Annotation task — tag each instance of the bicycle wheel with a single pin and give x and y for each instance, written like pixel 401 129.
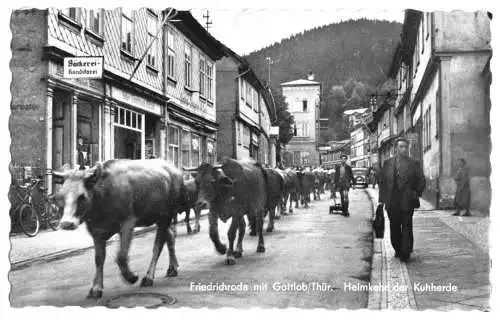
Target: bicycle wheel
pixel 29 221
pixel 53 216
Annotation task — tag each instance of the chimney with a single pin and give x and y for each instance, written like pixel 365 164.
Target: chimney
pixel 310 76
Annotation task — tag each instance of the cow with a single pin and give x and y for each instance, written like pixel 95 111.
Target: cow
pixel 232 190
pixel 306 180
pixel 292 189
pixel 275 188
pixel 188 202
pixel 116 196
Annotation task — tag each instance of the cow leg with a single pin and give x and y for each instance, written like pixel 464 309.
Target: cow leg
pixel 214 233
pixel 296 197
pixel 260 226
pixel 253 226
pixel 197 214
pixel 173 264
pixel 161 233
pixel 100 255
pixel 231 235
pixel 122 258
pixel 270 223
pixel 283 204
pixel 174 223
pixel 188 225
pixel 306 197
pixel 238 253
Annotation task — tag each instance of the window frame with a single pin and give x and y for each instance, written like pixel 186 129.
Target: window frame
pixel 188 65
pixel 91 19
pixel 210 80
pixel 170 54
pixel 130 20
pixel 203 76
pixel 152 55
pixel 305 107
pixel 173 146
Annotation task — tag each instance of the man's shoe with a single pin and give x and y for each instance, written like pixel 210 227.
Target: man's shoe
pixel 456 213
pixel 467 214
pixel 346 214
pixel 397 254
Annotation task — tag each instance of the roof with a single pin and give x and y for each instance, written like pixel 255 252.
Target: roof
pixel 300 82
pixel 189 26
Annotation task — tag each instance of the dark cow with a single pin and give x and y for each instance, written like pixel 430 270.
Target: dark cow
pixel 188 202
pixel 306 179
pixel 232 190
pixel 116 196
pixel 275 188
pixel 292 189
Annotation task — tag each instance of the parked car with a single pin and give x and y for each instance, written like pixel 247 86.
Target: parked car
pixel 361 177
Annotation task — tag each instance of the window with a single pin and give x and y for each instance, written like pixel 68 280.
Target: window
pixel 246 136
pixel 152 30
pixel 195 150
pixel 255 96
pixel 423 32
pixel 304 105
pixel 427 129
pixel 171 55
pixel 210 81
pixel 173 145
pixel 210 152
pixel 242 89
pixel 127 26
pixel 203 77
pixel 71 13
pixel 188 65
pixel 94 21
pixel 185 147
pixel 296 158
pixel 429 24
pixel 249 95
pixel 238 133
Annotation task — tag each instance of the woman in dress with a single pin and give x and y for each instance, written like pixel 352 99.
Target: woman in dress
pixel 462 194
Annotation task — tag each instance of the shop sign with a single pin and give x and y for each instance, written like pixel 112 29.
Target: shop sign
pixel 83 67
pixel 136 101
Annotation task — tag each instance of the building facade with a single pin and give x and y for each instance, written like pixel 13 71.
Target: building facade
pixel 443 98
pixel 127 112
pixel 360 151
pixel 190 64
pixel 303 99
pixel 244 112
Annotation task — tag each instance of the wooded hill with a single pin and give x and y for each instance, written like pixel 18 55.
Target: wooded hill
pixel 350 59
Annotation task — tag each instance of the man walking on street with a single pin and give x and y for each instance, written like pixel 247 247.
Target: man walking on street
pixel 343 179
pixel 401 183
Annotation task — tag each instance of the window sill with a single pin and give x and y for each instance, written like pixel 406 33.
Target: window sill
pixel 127 56
pixel 171 81
pixel 248 105
pixel 210 103
pixel 69 23
pixel 152 69
pixel 202 98
pixel 94 37
pixel 190 90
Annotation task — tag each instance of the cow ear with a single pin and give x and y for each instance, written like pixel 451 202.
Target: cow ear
pixel 92 175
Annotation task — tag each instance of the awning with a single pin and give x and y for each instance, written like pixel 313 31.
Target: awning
pixel 208 126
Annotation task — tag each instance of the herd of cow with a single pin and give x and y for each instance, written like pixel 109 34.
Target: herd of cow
pixel 118 195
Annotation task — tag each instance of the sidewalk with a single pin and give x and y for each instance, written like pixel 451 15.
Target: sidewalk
pixel 449 268
pixel 51 245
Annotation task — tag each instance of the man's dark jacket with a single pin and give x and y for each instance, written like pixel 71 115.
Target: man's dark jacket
pixel 348 173
pixel 411 184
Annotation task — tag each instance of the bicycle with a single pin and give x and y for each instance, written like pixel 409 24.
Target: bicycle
pixel 28 217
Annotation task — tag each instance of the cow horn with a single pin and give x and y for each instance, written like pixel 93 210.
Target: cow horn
pixel 190 169
pixel 217 166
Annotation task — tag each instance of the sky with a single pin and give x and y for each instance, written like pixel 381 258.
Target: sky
pixel 247 30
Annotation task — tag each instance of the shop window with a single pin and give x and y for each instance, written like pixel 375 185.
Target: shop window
pixel 185 147
pixel 195 150
pixel 210 152
pixel 173 145
pixel 87 134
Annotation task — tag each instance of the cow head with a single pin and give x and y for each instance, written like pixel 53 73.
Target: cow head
pixel 76 194
pixel 211 182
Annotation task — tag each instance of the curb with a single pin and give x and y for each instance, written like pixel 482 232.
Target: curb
pixel 74 251
pixel 377 276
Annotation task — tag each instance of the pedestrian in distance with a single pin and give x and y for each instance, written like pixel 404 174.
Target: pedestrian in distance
pixel 462 194
pixel 401 184
pixel 343 182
